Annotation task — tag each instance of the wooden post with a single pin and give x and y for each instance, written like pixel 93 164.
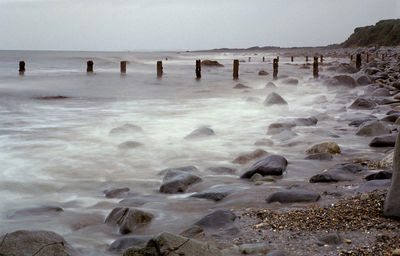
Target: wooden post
pixel 159 68
pixel 198 69
pixel 315 68
pixel 367 58
pixel 351 57
pixel 383 57
pixel 322 59
pixel 277 58
pixel 306 58
pixel 358 61
pixel 21 67
pixel 263 59
pixel 123 67
pixel 235 69
pixel 249 59
pixel 90 65
pixel 275 65
pixel 291 59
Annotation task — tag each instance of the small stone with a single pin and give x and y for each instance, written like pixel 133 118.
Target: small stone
pixel 347 241
pixel 364 196
pixel 396 252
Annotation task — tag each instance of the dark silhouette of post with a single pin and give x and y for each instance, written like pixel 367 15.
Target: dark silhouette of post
pixel 263 59
pixel 21 67
pixel 306 58
pixel 367 58
pixel 351 57
pixel 315 67
pixel 159 68
pixel 275 66
pixel 277 58
pixel 90 65
pixel 198 69
pixel 123 67
pixel 383 57
pixel 392 201
pixel 358 61
pixel 235 69
pixel 322 59
pixel 291 59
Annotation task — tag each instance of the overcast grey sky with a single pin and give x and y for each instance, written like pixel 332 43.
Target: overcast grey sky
pixel 183 24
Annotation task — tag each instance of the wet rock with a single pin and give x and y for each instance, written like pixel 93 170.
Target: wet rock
pixel 270 85
pixel 273 165
pixel 276 128
pixel 260 248
pixel 263 73
pixel 176 181
pixel 309 121
pixel 374 185
pixel 258 177
pixel 174 245
pixel 391 118
pixel 383 141
pixel 364 80
pixel 381 92
pixel 123 243
pixel 217 219
pixel 243 159
pixel 387 161
pixel 211 63
pixel 221 170
pixel 216 193
pixel 344 80
pixel 116 192
pixel 363 103
pixel 291 81
pixel 201 133
pixel 264 142
pixel 126 129
pixel 24 242
pixel 241 86
pixel 371 71
pixel 320 156
pixel 346 68
pixel 293 196
pixel 45 210
pixel 372 128
pixel 381 175
pixel 360 120
pixel 392 201
pixel 188 168
pixel 277 253
pixel 340 172
pixel 274 99
pixel 128 219
pixel 129 145
pixel 193 232
pixel 331 239
pixel 324 147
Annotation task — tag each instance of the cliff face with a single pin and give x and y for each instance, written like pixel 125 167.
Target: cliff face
pixel 384 33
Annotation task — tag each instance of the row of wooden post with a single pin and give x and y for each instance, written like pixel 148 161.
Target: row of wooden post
pixel 358 59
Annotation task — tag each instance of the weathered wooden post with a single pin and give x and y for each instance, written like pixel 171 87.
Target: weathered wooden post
pixel 123 67
pixel 315 67
pixel 275 66
pixel 291 59
pixel 351 57
pixel 198 69
pixel 383 57
pixel 367 58
pixel 90 65
pixel 358 61
pixel 235 69
pixel 392 201
pixel 21 67
pixel 306 58
pixel 263 59
pixel 159 68
pixel 322 59
pixel 277 58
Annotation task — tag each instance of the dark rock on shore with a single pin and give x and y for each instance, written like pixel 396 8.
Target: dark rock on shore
pixel 188 168
pixel 374 185
pixel 364 80
pixel 116 192
pixel 291 81
pixel 241 86
pixel 384 141
pixel 128 219
pixel 46 210
pixel 274 99
pixel 217 219
pixel 176 181
pixel 216 193
pixel 260 248
pixel 344 80
pixel 221 170
pixel 276 128
pixel 381 92
pixel 346 68
pixel 271 165
pixel 330 239
pixel 363 103
pixel 381 175
pixel 391 117
pixel 293 196
pixel 24 242
pixel 201 133
pixel 324 147
pixel 372 128
pixel 360 120
pixel 242 159
pixel 340 172
pixel 211 63
pixel 320 156
pixel 193 232
pixel 309 121
pixel 263 73
pixel 123 243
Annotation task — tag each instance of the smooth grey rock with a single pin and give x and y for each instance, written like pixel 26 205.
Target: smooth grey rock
pixel 126 129
pixel 193 232
pixel 276 128
pixel 331 239
pixel 216 193
pixel 221 170
pixel 45 210
pixel 345 81
pixel 274 99
pixel 244 158
pixel 324 147
pixel 363 103
pixel 123 243
pixel 383 141
pixel 129 145
pixel 217 219
pixel 178 181
pixel 116 192
pixel 340 172
pixel 263 73
pixel 201 132
pixel 381 92
pixel 264 142
pixel 392 201
pixel 320 156
pixel 360 120
pixel 189 168
pixel 271 165
pixel 381 175
pixel 128 219
pixel 270 85
pixel 373 128
pixel 293 196
pixel 241 86
pixel 364 80
pixel 260 248
pixel 374 185
pixel 346 68
pixel 309 121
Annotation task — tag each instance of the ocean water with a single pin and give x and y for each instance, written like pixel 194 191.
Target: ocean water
pixel 64 152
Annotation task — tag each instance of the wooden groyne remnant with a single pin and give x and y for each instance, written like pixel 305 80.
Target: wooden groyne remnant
pixel 159 69
pixel 123 67
pixel 198 69
pixel 275 66
pixel 367 58
pixel 89 66
pixel 358 61
pixel 306 58
pixel 235 69
pixel 21 67
pixel 291 58
pixel 315 67
pixel 322 59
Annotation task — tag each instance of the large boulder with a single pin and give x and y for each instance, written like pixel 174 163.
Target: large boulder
pixel 123 243
pixel 381 175
pixel 340 172
pixel 373 128
pixel 344 80
pixel 346 68
pixel 176 181
pixel 128 219
pixel 245 158
pixel 324 147
pixel 201 133
pixel 274 99
pixel 216 193
pixel 363 103
pixel 293 196
pixel 364 80
pixel 383 141
pixel 270 165
pixel 217 219
pixel 309 121
pixel 392 202
pixel 43 243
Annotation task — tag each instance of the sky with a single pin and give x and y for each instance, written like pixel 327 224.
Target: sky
pixel 151 25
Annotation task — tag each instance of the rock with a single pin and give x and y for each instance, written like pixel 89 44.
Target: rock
pixel 344 80
pixel 374 185
pixel 125 129
pixel 221 170
pixel 291 81
pixel 200 133
pixel 391 118
pixel 271 165
pixel 340 172
pixel 123 243
pixel 363 103
pixel 24 242
pixel 372 128
pixel 216 193
pixel 230 231
pixel 383 141
pixel 293 196
pixel 387 161
pixel 46 210
pixel 211 63
pixel 381 92
pixel 276 128
pixel 364 80
pixel 174 245
pixel 360 120
pixel 242 159
pixel 277 253
pixel 193 232
pixel 241 86
pixel 381 175
pixel 128 219
pixel 116 192
pixel 274 99
pixel 331 239
pixel 260 248
pixel 258 177
pixel 270 85
pixel 346 68
pixel 396 252
pixel 129 145
pixel 217 219
pixel 324 147
pixel 264 142
pixel 392 201
pixel 188 168
pixel 309 121
pixel 263 73
pixel 320 156
pixel 371 71
pixel 176 181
